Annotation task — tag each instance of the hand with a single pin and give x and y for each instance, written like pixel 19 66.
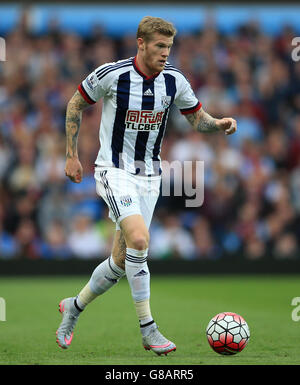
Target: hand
pixel 228 125
pixel 73 169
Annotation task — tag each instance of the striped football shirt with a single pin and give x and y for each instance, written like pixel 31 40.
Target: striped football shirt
pixel 135 112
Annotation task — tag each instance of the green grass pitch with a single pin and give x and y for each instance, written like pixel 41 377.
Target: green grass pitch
pixel 107 332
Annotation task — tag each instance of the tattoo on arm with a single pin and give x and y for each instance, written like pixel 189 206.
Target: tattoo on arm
pixel 202 121
pixel 73 120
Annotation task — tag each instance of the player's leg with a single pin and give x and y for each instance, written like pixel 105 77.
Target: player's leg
pixel 137 239
pixel 136 236
pixel 109 185
pixel 110 271
pixel 105 275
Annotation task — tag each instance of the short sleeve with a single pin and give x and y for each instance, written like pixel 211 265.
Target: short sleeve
pixel 186 99
pixel 92 89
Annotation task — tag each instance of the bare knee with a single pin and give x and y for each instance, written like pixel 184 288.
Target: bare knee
pixel 138 241
pixel 135 232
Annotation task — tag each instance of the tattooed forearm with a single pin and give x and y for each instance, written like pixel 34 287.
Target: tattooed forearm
pixel 207 123
pixel 73 121
pixel 202 121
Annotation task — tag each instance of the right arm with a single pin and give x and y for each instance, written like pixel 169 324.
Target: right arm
pixel 203 122
pixel 76 105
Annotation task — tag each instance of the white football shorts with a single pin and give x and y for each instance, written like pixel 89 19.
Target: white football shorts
pixel 127 194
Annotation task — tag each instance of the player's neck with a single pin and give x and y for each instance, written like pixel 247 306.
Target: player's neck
pixel 143 68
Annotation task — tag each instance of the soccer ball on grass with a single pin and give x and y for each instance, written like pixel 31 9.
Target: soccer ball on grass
pixel 227 333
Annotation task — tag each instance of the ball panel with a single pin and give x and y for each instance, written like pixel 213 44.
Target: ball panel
pixel 237 338
pixel 210 340
pixel 229 338
pixel 219 328
pixel 215 336
pixel 223 324
pixel 210 329
pixel 233 346
pixel 242 344
pixel 232 325
pixel 222 338
pixel 235 330
pixel 228 318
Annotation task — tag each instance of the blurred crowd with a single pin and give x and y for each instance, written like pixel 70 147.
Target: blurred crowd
pixel 251 205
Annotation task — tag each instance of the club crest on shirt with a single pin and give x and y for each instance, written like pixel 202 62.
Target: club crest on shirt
pixel 165 101
pixel 126 200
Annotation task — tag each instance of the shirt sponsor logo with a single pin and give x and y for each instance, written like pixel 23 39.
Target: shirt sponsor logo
pixel 144 120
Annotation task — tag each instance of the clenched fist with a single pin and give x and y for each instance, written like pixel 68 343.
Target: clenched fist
pixel 73 169
pixel 228 125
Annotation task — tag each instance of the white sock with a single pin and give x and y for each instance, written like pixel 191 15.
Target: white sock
pixel 138 274
pixel 138 277
pixel 103 278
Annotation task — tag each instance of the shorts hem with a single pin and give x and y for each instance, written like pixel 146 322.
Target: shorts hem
pixel 125 215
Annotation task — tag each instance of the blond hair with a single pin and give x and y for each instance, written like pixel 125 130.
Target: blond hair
pixel 149 25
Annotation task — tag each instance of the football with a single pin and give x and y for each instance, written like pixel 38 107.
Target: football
pixel 227 333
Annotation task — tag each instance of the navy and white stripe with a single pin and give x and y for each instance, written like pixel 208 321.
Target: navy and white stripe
pixel 107 69
pixel 170 67
pixel 117 140
pixel 170 90
pixel 134 259
pixel 114 271
pixel 143 136
pixel 128 144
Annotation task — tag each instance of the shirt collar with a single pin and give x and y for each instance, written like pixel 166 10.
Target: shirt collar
pixel 135 65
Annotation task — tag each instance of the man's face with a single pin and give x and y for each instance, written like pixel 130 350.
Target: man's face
pixel 155 52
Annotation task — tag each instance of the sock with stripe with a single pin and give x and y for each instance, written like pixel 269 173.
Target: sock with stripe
pixel 138 277
pixel 103 278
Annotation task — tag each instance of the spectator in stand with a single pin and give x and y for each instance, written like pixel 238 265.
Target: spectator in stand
pixel 84 240
pixel 56 245
pixel 170 240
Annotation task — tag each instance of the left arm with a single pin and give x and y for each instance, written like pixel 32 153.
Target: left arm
pixel 203 122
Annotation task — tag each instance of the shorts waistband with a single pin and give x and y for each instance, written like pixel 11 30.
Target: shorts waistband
pixel 101 168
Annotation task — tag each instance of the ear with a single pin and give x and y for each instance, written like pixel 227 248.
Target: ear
pixel 141 43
